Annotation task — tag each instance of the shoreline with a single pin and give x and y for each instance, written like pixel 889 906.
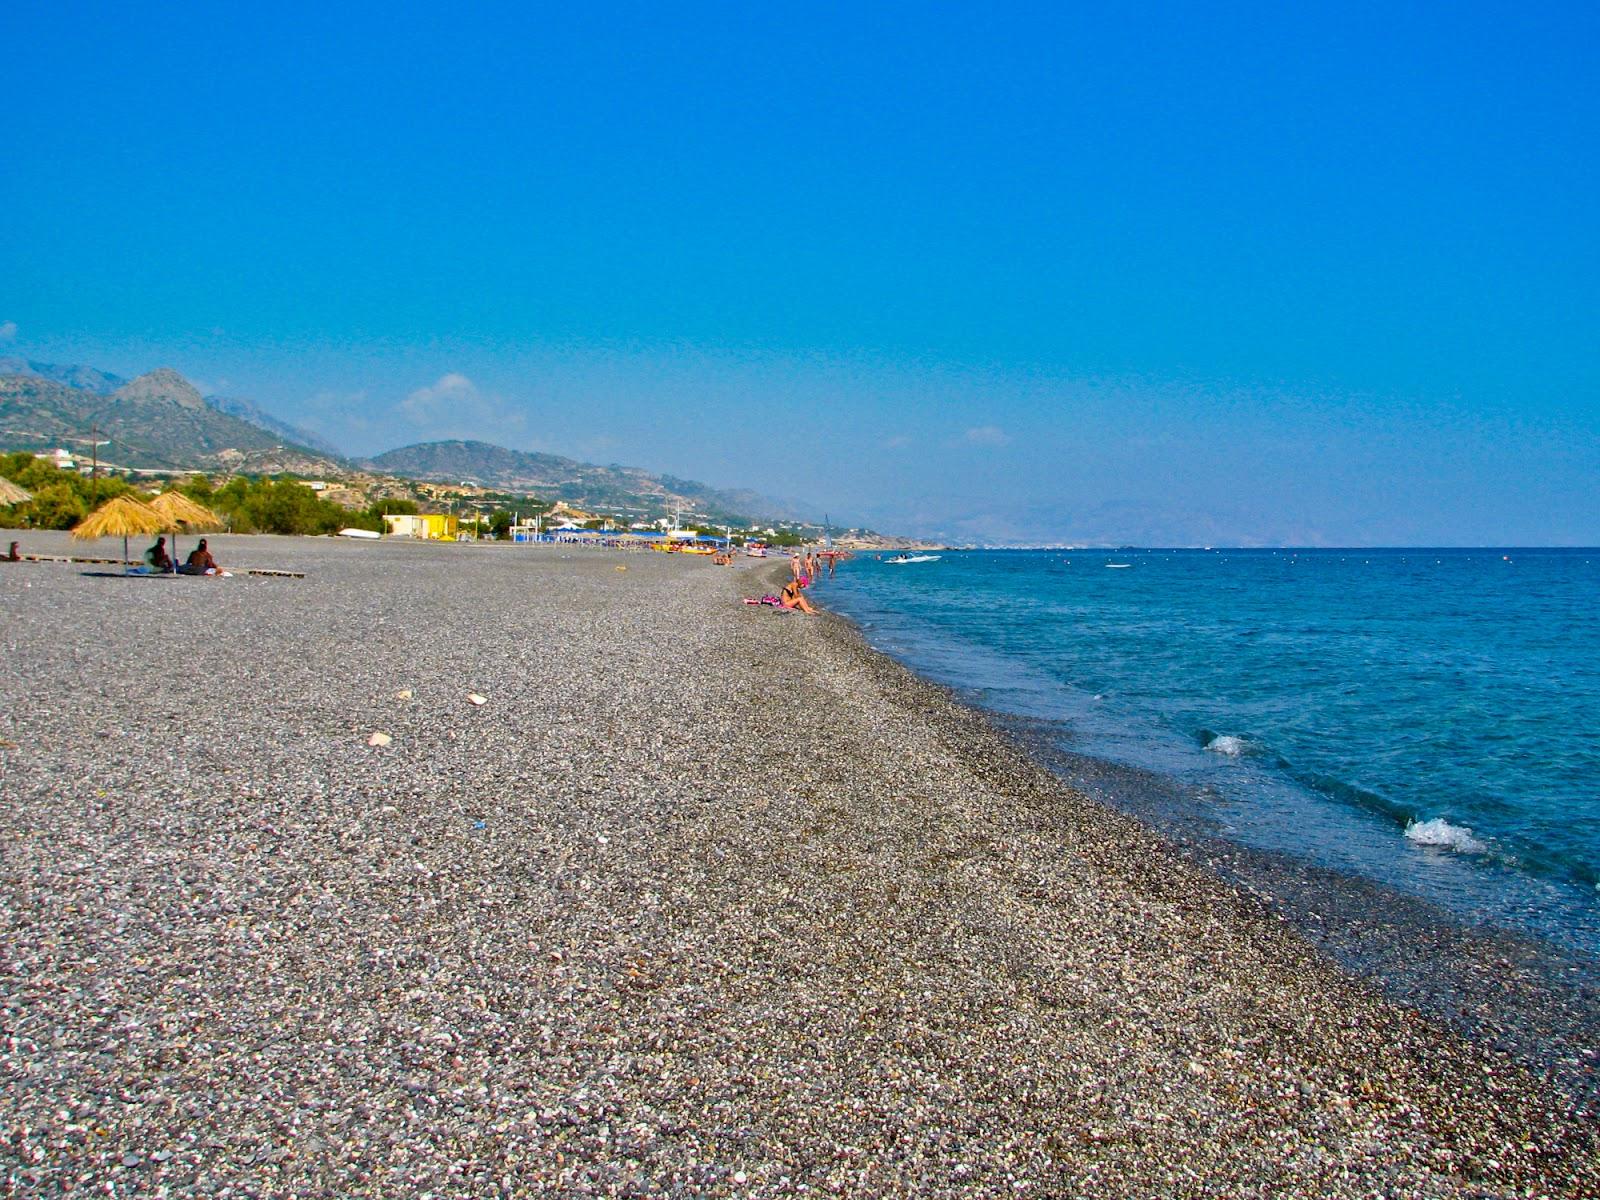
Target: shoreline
pixel 1535 999
pixel 703 897
pixel 1534 996
pixel 1531 998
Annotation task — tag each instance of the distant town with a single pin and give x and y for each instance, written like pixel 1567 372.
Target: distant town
pixel 394 506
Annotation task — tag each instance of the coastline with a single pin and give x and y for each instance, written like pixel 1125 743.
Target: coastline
pixel 704 897
pixel 1538 1001
pixel 1535 996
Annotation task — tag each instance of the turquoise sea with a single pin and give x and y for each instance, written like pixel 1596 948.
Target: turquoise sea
pixel 1423 723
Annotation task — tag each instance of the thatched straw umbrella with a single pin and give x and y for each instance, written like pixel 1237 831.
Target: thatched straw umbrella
pixel 10 493
pixel 184 515
pixel 123 516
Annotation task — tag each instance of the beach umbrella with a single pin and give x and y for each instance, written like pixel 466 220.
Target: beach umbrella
pixel 123 517
pixel 10 493
pixel 184 515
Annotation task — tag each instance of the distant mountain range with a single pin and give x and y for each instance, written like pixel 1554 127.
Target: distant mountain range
pixel 101 383
pixel 160 421
pixel 249 413
pixel 583 484
pixel 155 422
pixel 87 378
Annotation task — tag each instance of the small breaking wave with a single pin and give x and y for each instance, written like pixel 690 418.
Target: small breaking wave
pixel 1439 832
pixel 1228 745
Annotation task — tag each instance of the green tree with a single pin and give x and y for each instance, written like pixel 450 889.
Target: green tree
pixel 283 506
pixel 56 505
pixel 61 498
pixel 198 488
pixel 20 468
pixel 393 506
pixel 275 506
pixel 229 502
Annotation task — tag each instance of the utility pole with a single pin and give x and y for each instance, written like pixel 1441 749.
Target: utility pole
pixel 95 442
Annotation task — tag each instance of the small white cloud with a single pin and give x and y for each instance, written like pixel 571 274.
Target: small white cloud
pixel 453 407
pixel 8 331
pixel 428 405
pixel 898 442
pixel 986 435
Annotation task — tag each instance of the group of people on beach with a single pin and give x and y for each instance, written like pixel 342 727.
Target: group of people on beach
pixel 199 562
pixel 805 568
pixel 811 563
pixel 156 560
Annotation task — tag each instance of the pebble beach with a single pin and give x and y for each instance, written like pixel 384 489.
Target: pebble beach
pixel 641 892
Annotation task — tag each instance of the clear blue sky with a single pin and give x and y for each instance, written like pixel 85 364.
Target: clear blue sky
pixel 1176 274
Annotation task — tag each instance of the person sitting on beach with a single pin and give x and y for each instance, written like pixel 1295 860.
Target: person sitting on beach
pixel 200 562
pixel 156 558
pixel 14 554
pixel 790 597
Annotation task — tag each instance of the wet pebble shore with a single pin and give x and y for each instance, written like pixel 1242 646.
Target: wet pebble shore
pixel 701 900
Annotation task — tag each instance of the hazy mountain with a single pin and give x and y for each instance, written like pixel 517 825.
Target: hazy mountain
pixel 161 386
pixel 247 411
pixel 157 421
pixel 87 378
pixel 583 484
pixel 160 421
pixel 90 379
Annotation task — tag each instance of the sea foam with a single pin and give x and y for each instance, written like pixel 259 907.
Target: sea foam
pixel 1228 744
pixel 1439 832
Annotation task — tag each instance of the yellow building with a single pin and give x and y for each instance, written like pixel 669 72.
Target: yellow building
pixel 432 527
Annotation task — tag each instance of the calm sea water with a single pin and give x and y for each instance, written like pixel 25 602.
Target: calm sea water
pixel 1425 719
